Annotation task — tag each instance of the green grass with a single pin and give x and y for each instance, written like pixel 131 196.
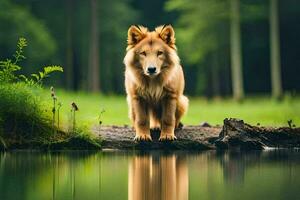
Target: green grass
pixel 26 122
pixel 22 112
pixel 253 110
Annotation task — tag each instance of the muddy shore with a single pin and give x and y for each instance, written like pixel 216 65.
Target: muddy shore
pixel 234 134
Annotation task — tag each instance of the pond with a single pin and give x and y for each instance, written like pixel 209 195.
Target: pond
pixel 150 175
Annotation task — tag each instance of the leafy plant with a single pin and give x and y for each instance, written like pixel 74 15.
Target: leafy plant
pixel 36 79
pixel 23 112
pixel 9 68
pixel 25 117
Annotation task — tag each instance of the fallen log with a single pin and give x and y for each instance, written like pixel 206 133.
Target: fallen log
pixel 235 134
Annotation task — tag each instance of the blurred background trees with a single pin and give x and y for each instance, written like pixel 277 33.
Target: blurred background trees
pixel 275 50
pixel 227 47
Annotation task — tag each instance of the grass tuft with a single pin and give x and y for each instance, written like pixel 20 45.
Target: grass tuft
pixel 26 121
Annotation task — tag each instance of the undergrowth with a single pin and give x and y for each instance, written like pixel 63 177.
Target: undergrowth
pixel 27 119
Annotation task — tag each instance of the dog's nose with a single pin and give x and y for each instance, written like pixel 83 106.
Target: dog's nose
pixel 151 70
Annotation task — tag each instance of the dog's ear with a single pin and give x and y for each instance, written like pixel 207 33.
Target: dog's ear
pixel 135 34
pixel 167 34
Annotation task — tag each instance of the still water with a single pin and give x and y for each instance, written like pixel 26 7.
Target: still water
pixel 154 175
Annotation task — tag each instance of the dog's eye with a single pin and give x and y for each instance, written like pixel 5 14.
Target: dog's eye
pixel 143 53
pixel 159 53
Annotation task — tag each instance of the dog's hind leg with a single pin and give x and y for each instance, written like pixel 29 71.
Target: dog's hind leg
pixel 182 107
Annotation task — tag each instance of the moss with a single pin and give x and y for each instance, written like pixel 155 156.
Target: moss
pixel 81 139
pixel 76 142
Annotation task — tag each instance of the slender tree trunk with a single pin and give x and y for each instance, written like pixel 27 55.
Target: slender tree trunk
pixel 215 75
pixel 93 73
pixel 236 58
pixel 275 50
pixel 69 50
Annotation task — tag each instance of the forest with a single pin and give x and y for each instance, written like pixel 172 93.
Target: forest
pixel 65 131
pixel 227 48
pixel 62 70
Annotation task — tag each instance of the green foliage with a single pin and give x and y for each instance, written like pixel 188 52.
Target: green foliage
pixel 10 67
pixel 25 118
pixel 39 77
pixel 200 27
pixel 23 112
pixel 113 32
pixel 22 43
pixel 202 35
pixel 83 137
pixel 18 20
pixel 7 69
pixel 252 110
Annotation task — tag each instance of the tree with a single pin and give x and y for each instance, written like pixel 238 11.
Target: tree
pixel 202 33
pixel 16 21
pixel 275 50
pixel 93 73
pixel 235 44
pixel 69 46
pixel 114 23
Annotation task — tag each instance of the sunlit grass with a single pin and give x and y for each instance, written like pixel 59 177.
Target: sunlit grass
pixel 253 110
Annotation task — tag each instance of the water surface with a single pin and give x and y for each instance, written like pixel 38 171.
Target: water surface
pixel 154 175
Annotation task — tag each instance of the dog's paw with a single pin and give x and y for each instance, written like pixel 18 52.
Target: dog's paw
pixel 167 137
pixel 143 137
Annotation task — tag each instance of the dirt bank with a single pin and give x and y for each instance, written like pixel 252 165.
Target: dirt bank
pixel 234 134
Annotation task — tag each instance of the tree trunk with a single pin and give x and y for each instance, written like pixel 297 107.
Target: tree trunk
pixel 69 69
pixel 215 75
pixel 275 50
pixel 236 58
pixel 93 73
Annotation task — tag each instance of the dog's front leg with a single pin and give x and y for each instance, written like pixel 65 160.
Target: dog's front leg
pixel 168 119
pixel 141 122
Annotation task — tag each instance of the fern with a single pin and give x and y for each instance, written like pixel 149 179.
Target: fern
pixel 40 76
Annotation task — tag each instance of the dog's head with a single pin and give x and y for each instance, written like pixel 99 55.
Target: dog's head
pixel 152 52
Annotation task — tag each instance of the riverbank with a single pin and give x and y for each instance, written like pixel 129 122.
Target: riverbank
pixel 233 135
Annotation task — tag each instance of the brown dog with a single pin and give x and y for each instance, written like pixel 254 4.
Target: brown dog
pixel 154 82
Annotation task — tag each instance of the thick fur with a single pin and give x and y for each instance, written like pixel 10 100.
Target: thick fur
pixel 154 100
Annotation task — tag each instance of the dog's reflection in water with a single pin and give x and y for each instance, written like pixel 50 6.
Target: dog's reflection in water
pixel 159 177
